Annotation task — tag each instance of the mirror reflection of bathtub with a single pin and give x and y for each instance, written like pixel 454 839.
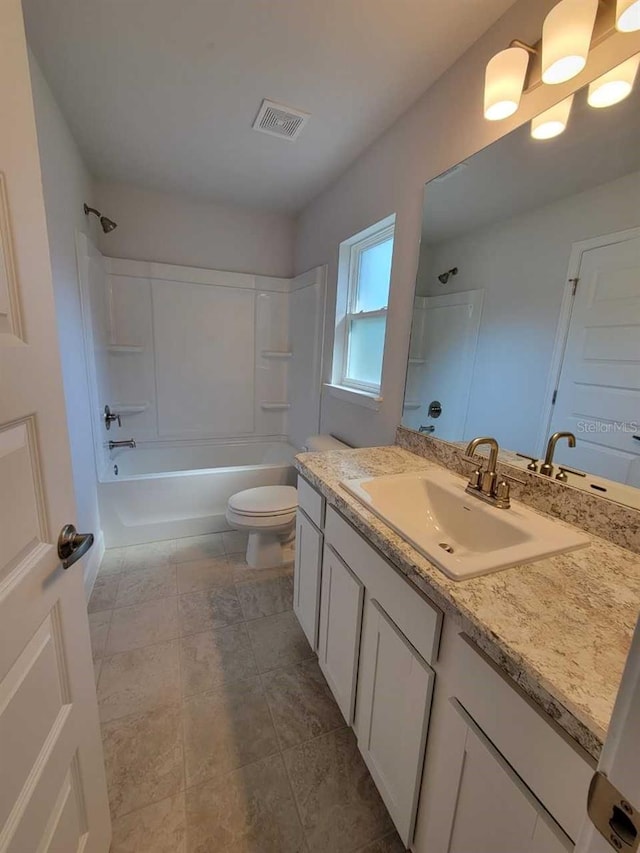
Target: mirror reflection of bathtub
pixel 171 491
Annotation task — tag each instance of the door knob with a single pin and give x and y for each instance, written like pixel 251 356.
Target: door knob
pixel 72 545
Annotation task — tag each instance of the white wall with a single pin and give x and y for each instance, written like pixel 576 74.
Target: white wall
pixel 67 184
pixel 444 127
pixel 176 229
pixel 521 265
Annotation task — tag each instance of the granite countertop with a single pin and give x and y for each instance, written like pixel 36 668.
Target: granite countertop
pixel 560 627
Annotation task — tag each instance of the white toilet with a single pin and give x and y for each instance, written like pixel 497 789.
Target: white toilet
pixel 268 513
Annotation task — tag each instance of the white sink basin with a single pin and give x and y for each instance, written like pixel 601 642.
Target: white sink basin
pixel 456 531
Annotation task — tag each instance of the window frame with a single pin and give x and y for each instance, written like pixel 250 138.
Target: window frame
pixel 350 268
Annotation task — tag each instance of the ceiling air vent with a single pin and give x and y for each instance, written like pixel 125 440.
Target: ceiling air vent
pixel 279 120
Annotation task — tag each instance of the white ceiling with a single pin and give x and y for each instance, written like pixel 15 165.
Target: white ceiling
pixel 162 93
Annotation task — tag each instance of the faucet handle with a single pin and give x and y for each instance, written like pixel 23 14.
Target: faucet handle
pixel 533 462
pixel 562 473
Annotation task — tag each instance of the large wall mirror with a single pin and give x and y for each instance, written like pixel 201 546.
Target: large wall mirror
pixel 527 310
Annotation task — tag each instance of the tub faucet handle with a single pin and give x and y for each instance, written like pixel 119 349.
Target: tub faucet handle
pixel 109 417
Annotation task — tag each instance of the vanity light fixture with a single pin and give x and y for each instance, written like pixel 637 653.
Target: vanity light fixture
pixel 553 121
pixel 615 85
pixel 504 82
pixel 566 39
pixel 628 16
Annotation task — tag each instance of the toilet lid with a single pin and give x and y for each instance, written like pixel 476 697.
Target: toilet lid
pixel 265 500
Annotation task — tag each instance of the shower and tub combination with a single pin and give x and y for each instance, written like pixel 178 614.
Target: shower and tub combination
pixel 215 379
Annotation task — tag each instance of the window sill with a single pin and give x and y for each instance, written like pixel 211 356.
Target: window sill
pixel 367 399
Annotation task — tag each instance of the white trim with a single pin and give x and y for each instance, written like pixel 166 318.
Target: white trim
pixel 92 564
pixel 354 395
pixel 562 332
pixel 349 254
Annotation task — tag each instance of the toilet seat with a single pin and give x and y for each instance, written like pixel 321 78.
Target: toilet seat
pixel 264 502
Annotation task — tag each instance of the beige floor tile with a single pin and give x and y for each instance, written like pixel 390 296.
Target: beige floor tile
pixel 204 574
pixel 143 625
pixel 243 572
pixel 139 680
pixel 267 595
pixel 301 703
pixel 389 844
pixel 148 555
pixel 215 657
pixel 145 585
pixel 339 804
pixel 226 729
pixel 143 759
pixel 112 561
pixel 199 547
pixel 235 541
pixel 99 631
pixel 247 811
pixel 278 641
pixel 103 596
pixel 209 609
pixel 158 828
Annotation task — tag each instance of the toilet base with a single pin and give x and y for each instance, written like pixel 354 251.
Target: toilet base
pixel 266 550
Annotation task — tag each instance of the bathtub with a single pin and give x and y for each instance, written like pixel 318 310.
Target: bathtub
pixel 157 492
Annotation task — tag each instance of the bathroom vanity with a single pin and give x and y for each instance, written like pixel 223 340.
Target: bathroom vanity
pixel 480 706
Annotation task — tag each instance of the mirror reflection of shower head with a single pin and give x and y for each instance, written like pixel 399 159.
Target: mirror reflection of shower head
pixel 107 224
pixel 444 277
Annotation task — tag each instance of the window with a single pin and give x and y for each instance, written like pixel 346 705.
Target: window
pixel 364 277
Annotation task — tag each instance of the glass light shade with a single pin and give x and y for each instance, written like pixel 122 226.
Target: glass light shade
pixel 628 15
pixel 503 83
pixel 552 122
pixel 566 38
pixel 615 85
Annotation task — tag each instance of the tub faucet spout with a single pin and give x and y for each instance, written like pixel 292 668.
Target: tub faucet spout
pixel 129 442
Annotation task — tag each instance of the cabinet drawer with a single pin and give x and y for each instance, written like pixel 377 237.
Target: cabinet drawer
pixel 341 603
pixel 395 686
pixel 311 502
pixel 306 577
pixel 418 619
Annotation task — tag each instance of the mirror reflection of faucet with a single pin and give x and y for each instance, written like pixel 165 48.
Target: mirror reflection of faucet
pixel 547 466
pixel 129 442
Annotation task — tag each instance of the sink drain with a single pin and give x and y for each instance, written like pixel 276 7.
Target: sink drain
pixel 446 547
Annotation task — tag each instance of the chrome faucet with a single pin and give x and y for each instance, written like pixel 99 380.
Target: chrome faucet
pixel 547 466
pixel 129 442
pixel 485 484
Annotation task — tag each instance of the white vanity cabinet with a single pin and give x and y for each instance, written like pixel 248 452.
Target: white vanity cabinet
pixel 462 759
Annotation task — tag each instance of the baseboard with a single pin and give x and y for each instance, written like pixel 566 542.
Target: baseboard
pixel 92 564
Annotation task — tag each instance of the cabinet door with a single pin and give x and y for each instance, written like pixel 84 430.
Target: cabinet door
pixel 394 702
pixel 486 806
pixel 341 604
pixel 306 578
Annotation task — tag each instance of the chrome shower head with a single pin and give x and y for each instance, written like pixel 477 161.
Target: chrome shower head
pixel 106 223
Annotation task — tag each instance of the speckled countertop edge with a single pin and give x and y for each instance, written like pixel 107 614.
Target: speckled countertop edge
pixel 560 628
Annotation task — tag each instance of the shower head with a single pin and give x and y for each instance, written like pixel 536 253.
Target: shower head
pixel 444 277
pixel 106 223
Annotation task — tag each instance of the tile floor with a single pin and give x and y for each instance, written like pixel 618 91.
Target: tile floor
pixel 220 734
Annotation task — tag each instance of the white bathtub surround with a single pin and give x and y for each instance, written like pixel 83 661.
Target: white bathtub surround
pixel 167 490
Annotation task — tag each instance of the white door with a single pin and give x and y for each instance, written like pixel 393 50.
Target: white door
pixel 52 784
pixel 598 395
pixel 394 703
pixel 306 577
pixel 484 806
pixel 341 603
pixel 619 761
pixel 441 366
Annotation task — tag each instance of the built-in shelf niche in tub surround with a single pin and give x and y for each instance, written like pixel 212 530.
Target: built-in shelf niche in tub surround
pixel 203 354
